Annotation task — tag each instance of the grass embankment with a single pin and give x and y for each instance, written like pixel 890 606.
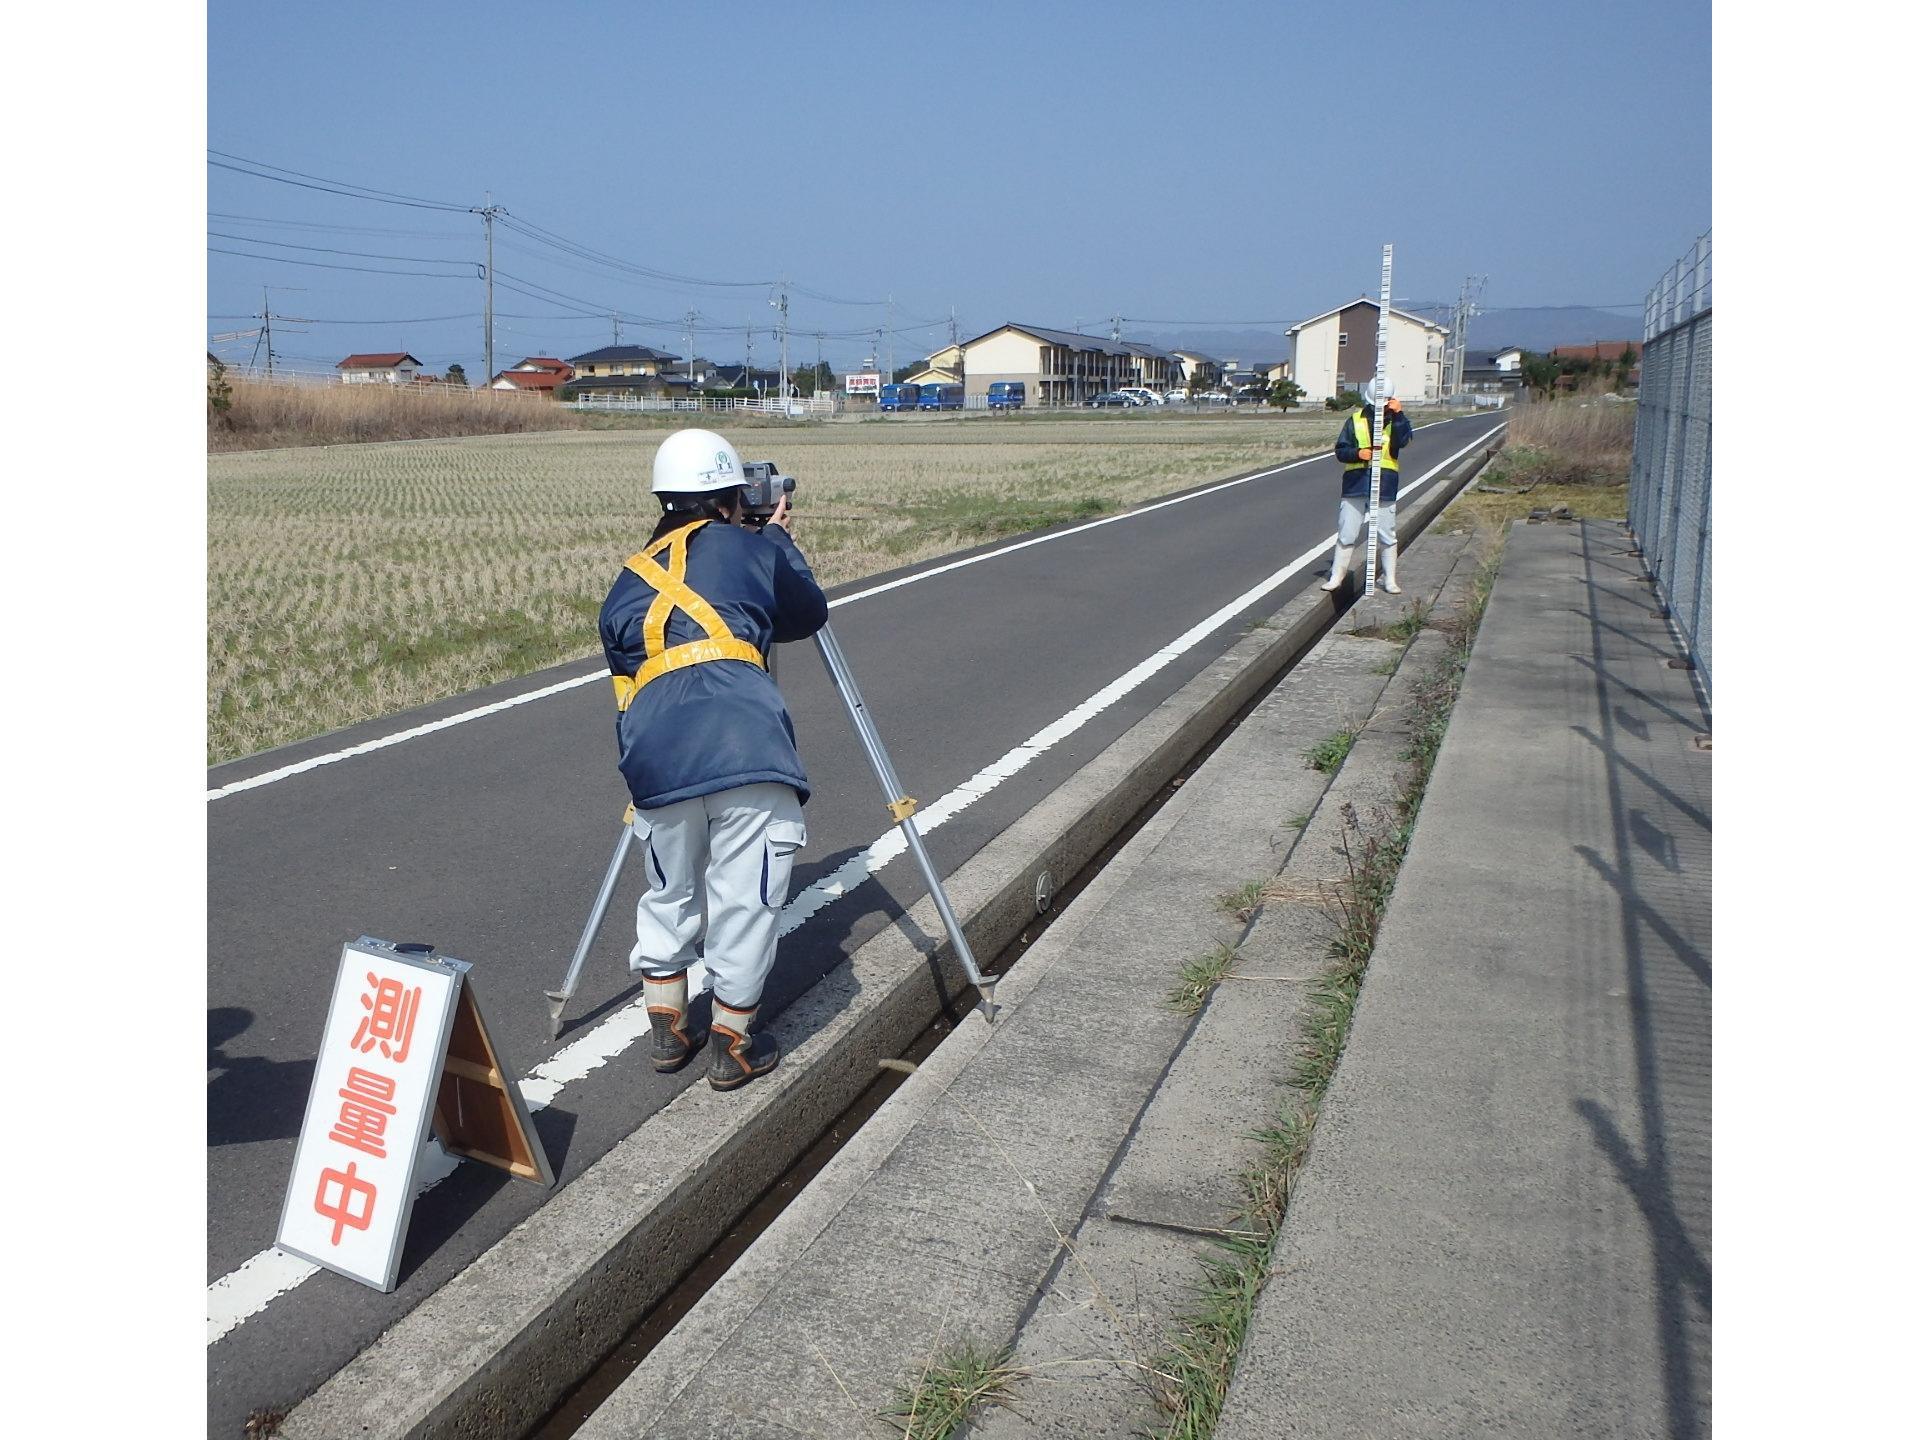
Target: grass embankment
pixel 344 584
pixel 1198 1369
pixel 262 416
pixel 1575 453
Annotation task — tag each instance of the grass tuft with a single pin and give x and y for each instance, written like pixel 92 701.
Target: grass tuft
pixel 1330 754
pixel 1199 977
pixel 950 1389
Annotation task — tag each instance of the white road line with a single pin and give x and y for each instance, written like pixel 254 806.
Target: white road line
pixel 246 1291
pixel 269 777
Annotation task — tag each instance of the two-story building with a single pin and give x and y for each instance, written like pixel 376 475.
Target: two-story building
pixel 1060 367
pixel 1198 373
pixel 1336 350
pixel 623 371
pixel 395 367
pixel 536 375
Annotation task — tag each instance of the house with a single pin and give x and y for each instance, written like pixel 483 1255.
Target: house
pixel 1058 367
pixel 1197 372
pixel 1238 376
pixel 1492 372
pixel 623 371
pixel 537 374
pixel 946 366
pixel 1336 350
pixel 395 368
pixel 1600 355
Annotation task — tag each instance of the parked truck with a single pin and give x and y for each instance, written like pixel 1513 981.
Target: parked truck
pixel 943 397
pixel 1007 395
pixel 899 397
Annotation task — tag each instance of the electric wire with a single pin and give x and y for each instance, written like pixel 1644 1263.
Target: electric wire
pixel 324 265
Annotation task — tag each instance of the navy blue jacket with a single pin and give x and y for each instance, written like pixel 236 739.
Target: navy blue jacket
pixel 722 723
pixel 1354 483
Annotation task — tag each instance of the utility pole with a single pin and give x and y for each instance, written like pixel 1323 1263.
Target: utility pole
pixel 616 327
pixel 266 318
pixel 889 339
pixel 487 213
pixel 819 358
pixel 746 380
pixel 780 303
pixel 691 317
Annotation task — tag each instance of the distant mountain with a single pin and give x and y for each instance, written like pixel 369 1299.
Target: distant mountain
pixel 1532 329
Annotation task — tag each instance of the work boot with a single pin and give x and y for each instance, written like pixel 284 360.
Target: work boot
pixel 735 1056
pixel 1342 558
pixel 1389 556
pixel 674 1042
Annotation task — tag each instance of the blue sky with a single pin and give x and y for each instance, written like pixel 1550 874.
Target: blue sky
pixel 1045 163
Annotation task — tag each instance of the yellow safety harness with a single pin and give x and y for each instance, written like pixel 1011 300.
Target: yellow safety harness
pixel 1363 437
pixel 673 593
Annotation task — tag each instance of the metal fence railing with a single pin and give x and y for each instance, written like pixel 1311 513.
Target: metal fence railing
pixel 1670 492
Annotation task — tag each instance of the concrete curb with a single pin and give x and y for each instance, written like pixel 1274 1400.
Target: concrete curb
pixel 496 1348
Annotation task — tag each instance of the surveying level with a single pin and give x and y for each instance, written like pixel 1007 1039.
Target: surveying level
pixel 900 806
pixel 1380 434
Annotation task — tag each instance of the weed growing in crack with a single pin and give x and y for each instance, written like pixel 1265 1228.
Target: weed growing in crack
pixel 950 1389
pixel 1329 754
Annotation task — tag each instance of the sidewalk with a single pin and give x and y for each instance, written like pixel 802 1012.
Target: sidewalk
pixel 1501 1226
pixel 1504 1222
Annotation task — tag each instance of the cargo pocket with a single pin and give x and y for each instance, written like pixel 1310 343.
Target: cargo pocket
pixel 643 837
pixel 784 838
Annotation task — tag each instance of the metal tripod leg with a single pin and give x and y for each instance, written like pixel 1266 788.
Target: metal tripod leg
pixel 901 806
pixel 557 999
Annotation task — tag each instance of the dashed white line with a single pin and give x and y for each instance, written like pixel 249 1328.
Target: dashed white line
pixel 269 777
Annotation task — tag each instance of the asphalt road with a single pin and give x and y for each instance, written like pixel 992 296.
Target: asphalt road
pixel 489 838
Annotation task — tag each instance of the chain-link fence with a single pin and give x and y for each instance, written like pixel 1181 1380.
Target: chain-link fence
pixel 1670 497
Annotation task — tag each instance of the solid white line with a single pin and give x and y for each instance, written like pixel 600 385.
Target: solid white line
pixel 367 748
pixel 246 1291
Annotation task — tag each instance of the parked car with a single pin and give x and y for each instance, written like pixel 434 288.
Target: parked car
pixel 1140 395
pixel 1111 399
pixel 1007 395
pixel 1178 394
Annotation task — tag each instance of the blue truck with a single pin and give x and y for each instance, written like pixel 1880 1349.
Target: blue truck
pixel 899 397
pixel 943 397
pixel 1007 395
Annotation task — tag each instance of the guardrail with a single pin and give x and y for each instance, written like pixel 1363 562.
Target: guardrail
pixel 1670 491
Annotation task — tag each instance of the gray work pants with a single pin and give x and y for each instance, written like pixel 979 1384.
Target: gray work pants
pixel 1353 518
pixel 725 859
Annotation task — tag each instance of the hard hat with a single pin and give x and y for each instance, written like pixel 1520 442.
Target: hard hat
pixel 694 461
pixel 1386 393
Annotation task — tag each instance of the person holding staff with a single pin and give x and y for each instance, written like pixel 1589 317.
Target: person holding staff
pixel 1354 449
pixel 707 747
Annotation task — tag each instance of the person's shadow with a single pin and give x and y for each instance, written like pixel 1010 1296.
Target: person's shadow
pixel 249 1097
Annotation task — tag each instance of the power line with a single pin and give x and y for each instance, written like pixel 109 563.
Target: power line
pixel 321 182
pixel 324 265
pixel 346 229
pixel 329 250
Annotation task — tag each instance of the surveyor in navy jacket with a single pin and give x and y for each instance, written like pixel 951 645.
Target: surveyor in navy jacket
pixel 707 747
pixel 1354 449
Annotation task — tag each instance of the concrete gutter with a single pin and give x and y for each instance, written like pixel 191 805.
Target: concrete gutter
pixel 496 1348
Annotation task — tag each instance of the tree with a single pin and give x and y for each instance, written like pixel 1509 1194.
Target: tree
pixel 456 374
pixel 900 375
pixel 1286 394
pixel 1539 371
pixel 219 393
pixel 1623 368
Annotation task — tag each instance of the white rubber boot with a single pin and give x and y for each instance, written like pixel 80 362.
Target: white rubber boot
pixel 1342 558
pixel 1389 555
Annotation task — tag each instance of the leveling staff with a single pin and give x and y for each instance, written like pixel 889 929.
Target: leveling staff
pixel 707 747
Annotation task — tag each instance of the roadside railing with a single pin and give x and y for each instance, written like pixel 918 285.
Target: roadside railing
pixel 1670 491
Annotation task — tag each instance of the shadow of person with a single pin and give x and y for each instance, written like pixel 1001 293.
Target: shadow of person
pixel 250 1097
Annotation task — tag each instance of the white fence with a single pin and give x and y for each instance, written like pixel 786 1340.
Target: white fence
pixel 797 406
pixel 1670 494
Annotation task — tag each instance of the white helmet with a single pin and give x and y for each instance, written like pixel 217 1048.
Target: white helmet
pixel 695 461
pixel 1386 393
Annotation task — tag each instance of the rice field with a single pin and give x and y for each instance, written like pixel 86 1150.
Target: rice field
pixel 347 582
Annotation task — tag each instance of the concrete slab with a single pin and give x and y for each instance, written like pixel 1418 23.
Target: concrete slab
pixel 1503 1225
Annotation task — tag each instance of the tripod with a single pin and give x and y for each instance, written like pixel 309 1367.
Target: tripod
pixel 900 806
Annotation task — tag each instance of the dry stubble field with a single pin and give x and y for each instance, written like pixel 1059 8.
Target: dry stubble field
pixel 349 582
